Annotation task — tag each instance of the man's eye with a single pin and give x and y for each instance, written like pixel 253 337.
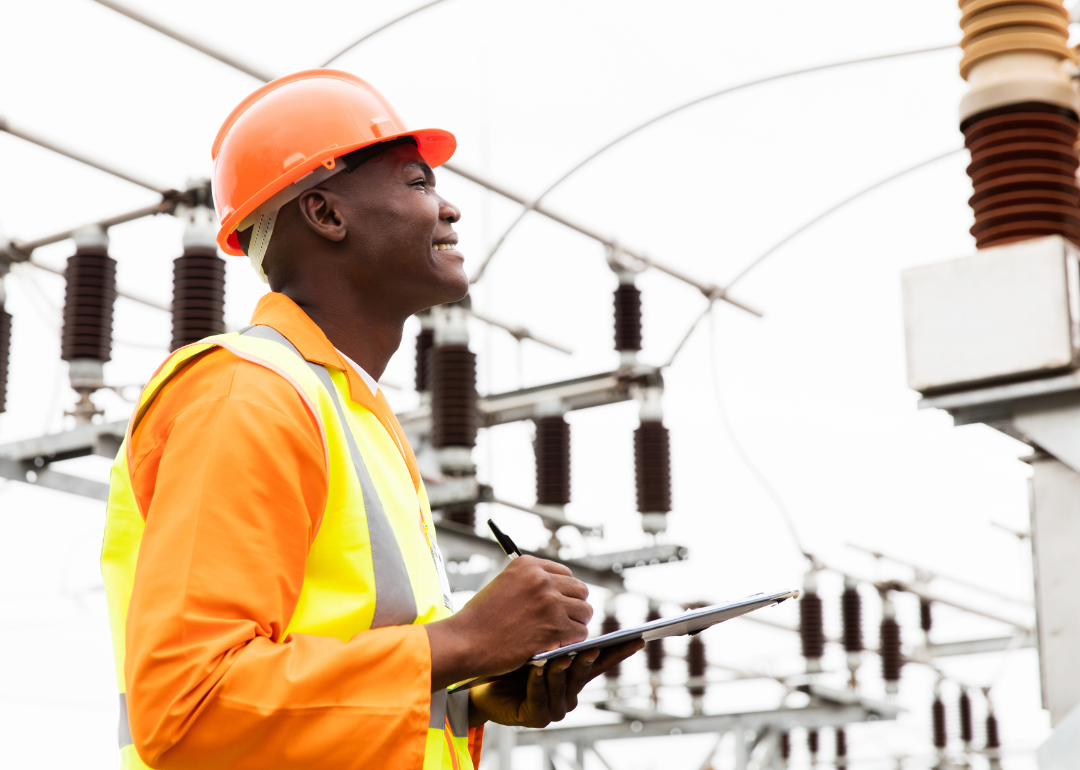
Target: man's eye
pixel 420 181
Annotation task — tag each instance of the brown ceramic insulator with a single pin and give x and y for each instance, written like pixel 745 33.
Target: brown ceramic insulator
pixel 610 625
pixel 941 738
pixel 696 664
pixel 967 724
pixel 841 742
pixel 1021 135
pixel 851 611
pixel 552 450
pixel 425 340
pixel 1020 117
pixel 5 351
pixel 1023 169
pixel 892 659
pixel 88 305
pixel 785 746
pixel 1018 231
pixel 926 615
pixel 452 376
pixel 654 650
pixel 1021 197
pixel 466 517
pixel 627 317
pixel 1021 152
pixel 993 741
pixel 198 308
pixel 972 7
pixel 811 625
pixel 652 467
pixel 813 741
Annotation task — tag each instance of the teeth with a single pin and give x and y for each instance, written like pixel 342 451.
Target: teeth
pixel 443 246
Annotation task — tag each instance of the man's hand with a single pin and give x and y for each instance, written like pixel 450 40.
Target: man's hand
pixel 532 606
pixel 536 697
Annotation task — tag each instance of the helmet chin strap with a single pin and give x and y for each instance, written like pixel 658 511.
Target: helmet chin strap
pixel 260 240
pixel 262 219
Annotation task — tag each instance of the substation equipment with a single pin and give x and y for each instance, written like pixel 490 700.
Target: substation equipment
pixel 977 346
pixel 994 338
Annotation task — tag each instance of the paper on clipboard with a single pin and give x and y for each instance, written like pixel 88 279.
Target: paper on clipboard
pixel 690 622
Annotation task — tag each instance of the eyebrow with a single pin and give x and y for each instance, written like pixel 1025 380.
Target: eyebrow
pixel 422 166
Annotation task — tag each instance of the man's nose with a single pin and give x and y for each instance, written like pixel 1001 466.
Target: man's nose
pixel 449 211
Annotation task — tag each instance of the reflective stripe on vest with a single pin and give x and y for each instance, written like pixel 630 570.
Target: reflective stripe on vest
pixel 393 575
pixel 394 602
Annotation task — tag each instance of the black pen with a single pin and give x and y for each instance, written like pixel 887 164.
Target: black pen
pixel 508 546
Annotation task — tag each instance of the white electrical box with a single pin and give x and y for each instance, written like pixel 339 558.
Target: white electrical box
pixel 1006 313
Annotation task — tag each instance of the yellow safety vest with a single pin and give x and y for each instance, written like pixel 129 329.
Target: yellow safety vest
pixel 393 577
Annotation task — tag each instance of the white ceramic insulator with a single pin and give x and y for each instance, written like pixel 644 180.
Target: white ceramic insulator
pixel 651 406
pixel 91 236
pixel 1020 76
pixel 200 228
pixel 451 325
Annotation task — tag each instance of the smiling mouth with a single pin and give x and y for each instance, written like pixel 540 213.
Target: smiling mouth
pixel 444 246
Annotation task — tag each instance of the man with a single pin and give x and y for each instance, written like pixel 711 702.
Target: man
pixel 276 595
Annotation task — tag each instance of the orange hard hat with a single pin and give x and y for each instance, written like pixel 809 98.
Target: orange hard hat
pixel 291 126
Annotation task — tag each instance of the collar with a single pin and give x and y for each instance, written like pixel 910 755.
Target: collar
pixel 279 312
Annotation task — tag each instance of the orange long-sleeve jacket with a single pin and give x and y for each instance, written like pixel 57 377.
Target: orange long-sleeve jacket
pixel 228 466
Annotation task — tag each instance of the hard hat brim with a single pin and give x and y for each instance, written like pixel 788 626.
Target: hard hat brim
pixel 435 146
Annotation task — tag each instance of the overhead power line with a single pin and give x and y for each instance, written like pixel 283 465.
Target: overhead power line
pixel 213 53
pixel 757 261
pixel 532 206
pixel 40 141
pixel 377 30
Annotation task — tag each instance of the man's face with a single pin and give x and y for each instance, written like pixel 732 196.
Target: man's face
pixel 400 237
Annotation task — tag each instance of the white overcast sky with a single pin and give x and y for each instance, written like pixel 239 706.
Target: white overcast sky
pixel 815 390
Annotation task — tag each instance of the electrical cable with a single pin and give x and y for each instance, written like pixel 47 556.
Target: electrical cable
pixel 376 31
pixel 737 446
pixel 224 58
pixel 722 92
pixel 719 294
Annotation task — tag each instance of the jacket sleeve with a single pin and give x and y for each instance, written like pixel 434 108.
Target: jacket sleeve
pixel 233 489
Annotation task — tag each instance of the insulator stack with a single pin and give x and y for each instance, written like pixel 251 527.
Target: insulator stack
pixel 889 646
pixel 785 747
pixel 451 376
pixel 841 748
pixel 627 318
pixel 654 650
pixel 967 724
pixel 88 304
pixel 926 615
pixel 851 612
pixel 993 740
pixel 811 626
pixel 424 342
pixel 552 449
pixel 1020 120
pixel 610 625
pixel 941 737
pixel 198 308
pixel 652 467
pixel 453 396
pixel 696 664
pixel 5 352
pixel 813 743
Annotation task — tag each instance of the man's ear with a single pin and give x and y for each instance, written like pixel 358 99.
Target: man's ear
pixel 320 210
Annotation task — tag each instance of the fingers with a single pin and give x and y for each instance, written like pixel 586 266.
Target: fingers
pixel 578 611
pixel 556 688
pixel 578 674
pixel 547 566
pixel 570 586
pixel 613 655
pixel 536 699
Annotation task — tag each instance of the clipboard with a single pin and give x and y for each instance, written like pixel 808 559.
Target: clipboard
pixel 690 622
